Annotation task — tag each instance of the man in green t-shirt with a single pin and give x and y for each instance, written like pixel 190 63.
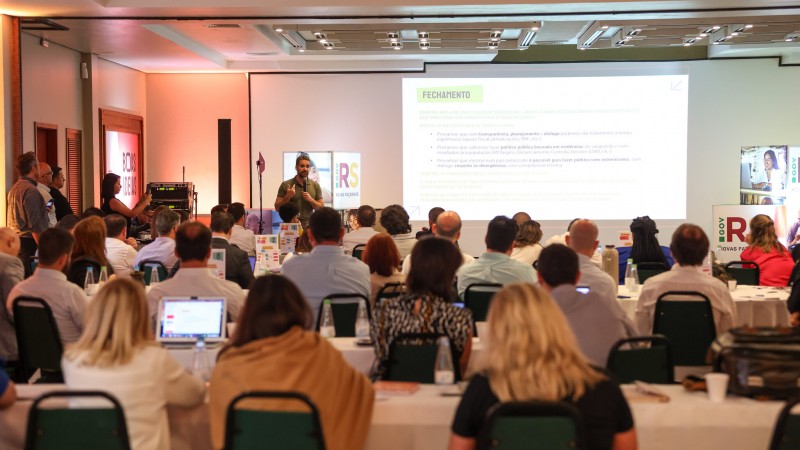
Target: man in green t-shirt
pixel 304 193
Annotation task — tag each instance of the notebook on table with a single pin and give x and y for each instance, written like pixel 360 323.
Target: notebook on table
pixel 181 320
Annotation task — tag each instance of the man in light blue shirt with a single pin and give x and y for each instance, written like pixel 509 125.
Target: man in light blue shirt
pixel 326 270
pixel 495 265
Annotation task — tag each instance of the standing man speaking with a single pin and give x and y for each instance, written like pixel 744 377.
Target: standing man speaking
pixel 304 193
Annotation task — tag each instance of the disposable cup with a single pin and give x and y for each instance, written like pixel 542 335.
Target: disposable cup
pixel 717 386
pixel 732 285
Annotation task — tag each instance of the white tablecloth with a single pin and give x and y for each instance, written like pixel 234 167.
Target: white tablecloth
pixel 422 422
pixel 757 306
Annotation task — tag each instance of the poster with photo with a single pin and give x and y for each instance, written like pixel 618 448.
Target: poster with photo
pixel 763 177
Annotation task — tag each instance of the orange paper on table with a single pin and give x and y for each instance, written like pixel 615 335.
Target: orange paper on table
pixel 396 387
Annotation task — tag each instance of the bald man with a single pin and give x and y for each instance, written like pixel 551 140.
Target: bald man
pixel 447 226
pixel 44 182
pixel 582 238
pixel 11 273
pixel 521 217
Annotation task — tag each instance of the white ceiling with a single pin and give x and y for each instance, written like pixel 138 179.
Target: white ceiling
pixel 200 35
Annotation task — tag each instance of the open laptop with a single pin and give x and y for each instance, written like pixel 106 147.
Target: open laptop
pixel 181 320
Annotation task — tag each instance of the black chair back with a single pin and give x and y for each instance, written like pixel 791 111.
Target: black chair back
pixel 648 359
pixel 478 298
pixel 38 340
pixel 786 435
pixel 650 269
pixel 389 291
pixel 744 272
pixel 147 267
pixel 358 250
pixel 412 357
pixel 78 268
pixel 532 425
pixel 687 320
pixel 345 312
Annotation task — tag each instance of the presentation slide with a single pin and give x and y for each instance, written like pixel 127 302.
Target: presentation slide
pixel 605 147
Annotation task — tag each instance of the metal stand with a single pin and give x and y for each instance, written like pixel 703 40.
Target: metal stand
pixel 260 201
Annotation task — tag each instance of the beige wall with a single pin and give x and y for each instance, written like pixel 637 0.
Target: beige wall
pixel 182 131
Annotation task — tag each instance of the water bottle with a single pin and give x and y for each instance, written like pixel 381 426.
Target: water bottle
pixel 362 321
pixel 103 276
pixel 88 282
pixel 707 265
pixel 326 327
pixel 443 373
pixel 635 277
pixel 154 278
pixel 610 258
pixel 629 281
pixel 200 365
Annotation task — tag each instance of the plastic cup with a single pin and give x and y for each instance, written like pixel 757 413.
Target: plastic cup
pixel 482 328
pixel 731 285
pixel 717 386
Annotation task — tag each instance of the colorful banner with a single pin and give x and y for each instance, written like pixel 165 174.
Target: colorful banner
pixel 289 233
pixel 122 158
pixel 346 180
pixel 731 226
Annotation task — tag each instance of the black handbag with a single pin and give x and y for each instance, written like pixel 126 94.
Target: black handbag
pixel 761 362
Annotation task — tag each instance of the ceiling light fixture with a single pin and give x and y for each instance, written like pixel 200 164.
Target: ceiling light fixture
pixel 279 30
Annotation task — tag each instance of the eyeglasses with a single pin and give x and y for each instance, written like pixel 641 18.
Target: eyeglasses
pixel 46 174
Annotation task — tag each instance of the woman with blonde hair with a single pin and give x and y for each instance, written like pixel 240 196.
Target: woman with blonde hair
pixel 117 353
pixel 526 245
pixel 551 368
pixel 774 261
pixel 89 249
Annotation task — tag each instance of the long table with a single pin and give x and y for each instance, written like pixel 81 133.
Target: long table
pixel 758 306
pixel 422 422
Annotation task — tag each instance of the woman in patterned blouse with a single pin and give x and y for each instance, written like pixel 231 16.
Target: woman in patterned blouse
pixel 426 307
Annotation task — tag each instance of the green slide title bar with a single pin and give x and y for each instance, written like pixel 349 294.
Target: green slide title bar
pixel 453 94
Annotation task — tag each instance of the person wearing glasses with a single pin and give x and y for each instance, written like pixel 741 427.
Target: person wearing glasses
pixel 44 181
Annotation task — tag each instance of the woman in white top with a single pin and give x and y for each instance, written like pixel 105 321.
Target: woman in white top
pixel 526 244
pixel 117 354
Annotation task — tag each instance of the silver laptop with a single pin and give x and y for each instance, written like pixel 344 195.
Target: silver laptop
pixel 182 320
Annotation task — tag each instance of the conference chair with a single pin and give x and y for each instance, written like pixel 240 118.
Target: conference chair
pixel 650 269
pixel 66 428
pixel 38 340
pixel 79 267
pixel 645 358
pixel 744 272
pixel 478 298
pixel 358 250
pixel 412 357
pixel 345 312
pixel 687 320
pixel 33 263
pixel 535 425
pixel 786 435
pixel 147 267
pixel 269 419
pixel 389 291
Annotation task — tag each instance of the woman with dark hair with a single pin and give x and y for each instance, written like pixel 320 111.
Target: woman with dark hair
pixel 272 350
pixel 383 259
pixel 526 245
pixel 109 203
pixel 89 249
pixel 426 305
pixel 395 220
pixel 774 261
pixel 773 177
pixel 645 246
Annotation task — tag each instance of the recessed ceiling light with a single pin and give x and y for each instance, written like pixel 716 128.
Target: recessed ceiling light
pixel 748 27
pixel 323 41
pixel 716 27
pixel 279 30
pixel 702 35
pixel 605 27
pixel 534 28
pixel 302 50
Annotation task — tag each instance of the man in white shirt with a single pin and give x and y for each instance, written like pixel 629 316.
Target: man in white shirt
pixel 689 247
pixel 241 236
pixel 11 274
pixel 48 282
pixel 46 179
pixel 447 226
pixel 366 220
pixel 162 249
pixel 120 250
pixel 582 238
pixel 562 239
pixel 194 278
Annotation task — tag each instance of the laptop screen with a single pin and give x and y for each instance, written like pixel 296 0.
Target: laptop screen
pixel 187 318
pixel 252 262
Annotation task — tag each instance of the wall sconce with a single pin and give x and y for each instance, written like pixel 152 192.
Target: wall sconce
pixel 84 71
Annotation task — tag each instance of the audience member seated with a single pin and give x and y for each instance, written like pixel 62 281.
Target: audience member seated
pixel 526 245
pixel 237 264
pixel 645 246
pixel 551 368
pixel 326 269
pixel 89 250
pixel 11 273
pixel 394 219
pixel 447 226
pixel 289 213
pixel 560 238
pixel 272 350
pixel 366 220
pixel 92 211
pixel 120 250
pixel 774 260
pixel 521 217
pixel 495 265
pixel 222 207
pixel 68 222
pixel 433 214
pixel 583 240
pixel 193 247
pixel 143 223
pixel 48 282
pixel 241 236
pixel 597 322
pixel 117 354
pixel 110 204
pixel 426 306
pixel 162 249
pixel 689 247
pixel 382 257
pixel 8 391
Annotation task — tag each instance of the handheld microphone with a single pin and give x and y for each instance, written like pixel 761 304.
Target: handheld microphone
pixel 305 184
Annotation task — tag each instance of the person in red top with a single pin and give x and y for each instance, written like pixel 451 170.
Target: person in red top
pixel 773 259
